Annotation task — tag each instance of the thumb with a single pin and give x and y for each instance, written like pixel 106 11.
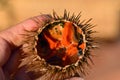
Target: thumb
pixel 13 34
pixel 11 38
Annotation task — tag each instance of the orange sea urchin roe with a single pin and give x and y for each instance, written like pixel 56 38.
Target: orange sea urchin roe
pixel 63 43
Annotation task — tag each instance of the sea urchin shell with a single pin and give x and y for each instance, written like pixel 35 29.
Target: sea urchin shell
pixel 62 48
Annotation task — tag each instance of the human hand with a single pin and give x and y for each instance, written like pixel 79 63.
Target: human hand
pixel 10 42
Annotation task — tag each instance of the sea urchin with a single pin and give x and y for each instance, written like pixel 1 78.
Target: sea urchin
pixel 62 48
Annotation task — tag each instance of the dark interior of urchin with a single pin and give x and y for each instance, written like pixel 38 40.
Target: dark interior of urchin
pixel 44 50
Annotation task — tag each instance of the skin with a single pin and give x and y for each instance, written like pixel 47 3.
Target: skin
pixel 10 43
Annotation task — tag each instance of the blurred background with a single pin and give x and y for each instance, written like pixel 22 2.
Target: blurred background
pixel 105 14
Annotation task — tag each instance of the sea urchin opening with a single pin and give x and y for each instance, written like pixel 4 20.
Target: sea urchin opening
pixel 61 43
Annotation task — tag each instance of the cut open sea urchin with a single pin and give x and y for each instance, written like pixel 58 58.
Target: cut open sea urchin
pixel 61 48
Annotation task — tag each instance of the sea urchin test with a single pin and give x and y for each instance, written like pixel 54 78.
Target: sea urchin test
pixel 62 48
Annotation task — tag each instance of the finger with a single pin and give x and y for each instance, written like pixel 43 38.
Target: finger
pixel 2 77
pixel 21 75
pixel 13 62
pixel 75 78
pixel 39 20
pixel 5 50
pixel 13 34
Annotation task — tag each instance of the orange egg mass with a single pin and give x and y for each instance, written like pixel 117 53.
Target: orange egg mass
pixel 61 43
